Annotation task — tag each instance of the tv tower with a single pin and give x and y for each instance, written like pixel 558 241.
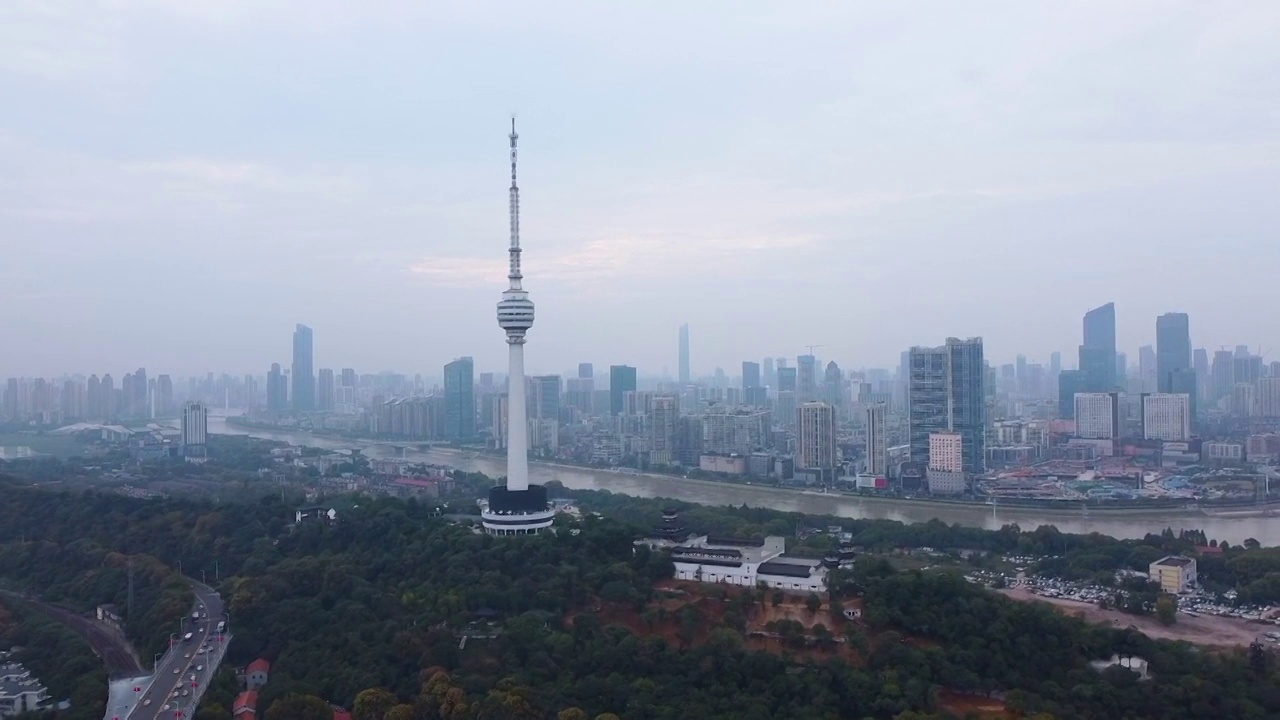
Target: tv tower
pixel 517 508
pixel 515 316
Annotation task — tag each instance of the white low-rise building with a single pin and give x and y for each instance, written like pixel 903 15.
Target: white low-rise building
pixel 19 692
pixel 745 562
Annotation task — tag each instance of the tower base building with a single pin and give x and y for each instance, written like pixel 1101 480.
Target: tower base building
pixel 517 512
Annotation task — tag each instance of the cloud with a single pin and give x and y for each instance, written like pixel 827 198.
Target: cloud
pixel 595 263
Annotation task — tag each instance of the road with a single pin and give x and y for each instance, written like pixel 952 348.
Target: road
pixel 111 646
pixel 172 690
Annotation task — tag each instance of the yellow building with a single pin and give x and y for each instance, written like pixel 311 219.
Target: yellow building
pixel 1174 573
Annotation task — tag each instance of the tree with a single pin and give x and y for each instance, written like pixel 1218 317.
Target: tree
pixel 778 597
pixel 373 704
pixel 1166 610
pixel 572 713
pixel 813 602
pixel 400 712
pixel 299 707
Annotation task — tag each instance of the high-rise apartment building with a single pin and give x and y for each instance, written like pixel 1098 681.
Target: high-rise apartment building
pixel 1174 371
pixel 877 462
pixel 1166 416
pixel 1098 415
pixel 195 425
pixel 303 374
pixel 459 399
pixel 770 374
pixel 622 380
pixel 1098 351
pixel 816 449
pixel 664 414
pixel 684 354
pixel 325 390
pixel 734 430
pixel 1244 400
pixel 947 394
pixel 1269 396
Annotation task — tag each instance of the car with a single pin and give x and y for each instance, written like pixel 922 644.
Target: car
pixel 185 693
pixel 146 702
pixel 177 670
pixel 187 656
pixel 199 668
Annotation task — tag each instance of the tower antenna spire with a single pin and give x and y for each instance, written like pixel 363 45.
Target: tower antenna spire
pixel 513 273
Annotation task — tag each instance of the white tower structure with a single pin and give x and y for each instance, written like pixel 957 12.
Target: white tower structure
pixel 515 316
pixel 517 509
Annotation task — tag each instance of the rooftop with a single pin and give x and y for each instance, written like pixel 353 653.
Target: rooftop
pixel 1174 561
pixel 785 569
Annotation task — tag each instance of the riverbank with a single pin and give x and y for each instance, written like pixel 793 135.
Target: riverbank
pixel 1163 511
pixel 1130 525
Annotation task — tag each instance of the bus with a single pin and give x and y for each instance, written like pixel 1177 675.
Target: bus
pixel 187 637
pixel 222 626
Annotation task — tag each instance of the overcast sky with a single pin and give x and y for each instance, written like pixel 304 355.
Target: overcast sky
pixel 181 182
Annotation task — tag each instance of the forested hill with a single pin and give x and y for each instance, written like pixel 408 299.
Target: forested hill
pixel 580 624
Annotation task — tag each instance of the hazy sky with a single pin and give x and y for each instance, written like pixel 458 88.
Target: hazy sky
pixel 181 182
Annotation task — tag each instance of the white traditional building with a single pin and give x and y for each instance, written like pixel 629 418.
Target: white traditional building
pixel 744 562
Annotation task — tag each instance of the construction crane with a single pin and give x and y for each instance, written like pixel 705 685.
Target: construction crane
pixel 811 347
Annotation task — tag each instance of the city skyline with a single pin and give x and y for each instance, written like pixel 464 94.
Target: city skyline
pixel 1040 171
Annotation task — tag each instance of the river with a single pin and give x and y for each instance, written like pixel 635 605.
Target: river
pixel 1233 529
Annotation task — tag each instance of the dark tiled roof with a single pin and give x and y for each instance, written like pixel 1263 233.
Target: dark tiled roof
pixel 784 569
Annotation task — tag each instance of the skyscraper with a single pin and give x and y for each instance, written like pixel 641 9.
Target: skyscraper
pixel 684 354
pixel 1174 371
pixel 770 374
pixel 786 379
pixel 304 379
pixel 622 380
pixel 947 394
pixel 324 390
pixel 460 401
pixel 816 439
pixel 164 393
pixel 806 378
pixel 277 390
pixel 750 374
pixel 1221 375
pixel 877 444
pixel 833 386
pixel 517 508
pixel 586 370
pixel 1098 351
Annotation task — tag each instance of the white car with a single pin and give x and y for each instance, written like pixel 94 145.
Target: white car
pixel 185 693
pixel 177 670
pixel 146 702
pixel 199 668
